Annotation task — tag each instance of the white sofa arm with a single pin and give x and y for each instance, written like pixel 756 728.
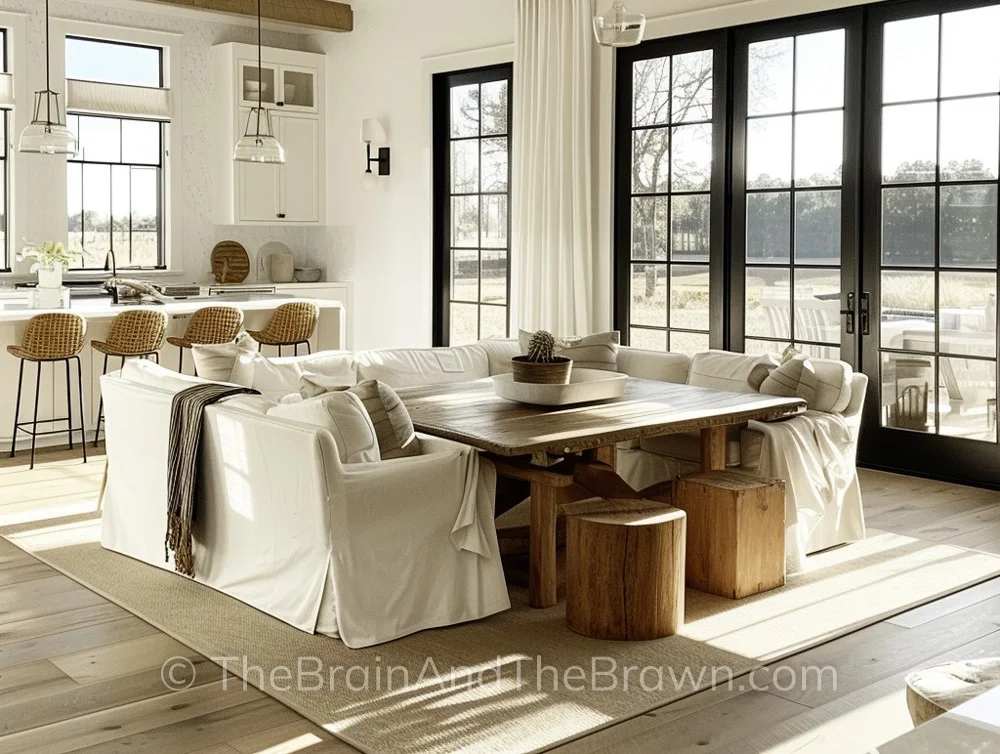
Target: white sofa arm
pixel 435 510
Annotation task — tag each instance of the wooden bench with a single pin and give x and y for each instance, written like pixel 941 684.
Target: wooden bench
pixel 624 569
pixel 735 532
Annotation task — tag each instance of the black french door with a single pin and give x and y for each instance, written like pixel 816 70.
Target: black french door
pixel 795 176
pixel 932 149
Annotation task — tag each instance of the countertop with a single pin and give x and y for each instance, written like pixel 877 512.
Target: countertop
pixel 103 308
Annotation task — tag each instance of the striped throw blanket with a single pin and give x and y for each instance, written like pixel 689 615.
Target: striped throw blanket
pixel 182 466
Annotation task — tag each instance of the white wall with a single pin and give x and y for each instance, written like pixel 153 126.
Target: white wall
pixel 383 70
pixel 40 180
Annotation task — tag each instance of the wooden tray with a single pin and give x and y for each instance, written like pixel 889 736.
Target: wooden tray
pixel 230 262
pixel 585 386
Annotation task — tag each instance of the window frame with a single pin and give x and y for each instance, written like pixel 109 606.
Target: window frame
pixel 160 165
pixel 622 171
pixel 6 256
pixel 442 84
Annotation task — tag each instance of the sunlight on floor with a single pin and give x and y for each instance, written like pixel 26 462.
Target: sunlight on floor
pixel 299 743
pixel 859 729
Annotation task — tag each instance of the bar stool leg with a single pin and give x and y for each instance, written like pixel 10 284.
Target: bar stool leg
pixel 296 349
pixel 83 427
pixel 34 423
pixel 309 349
pixel 279 351
pixel 17 409
pixel 100 408
pixel 180 360
pixel 69 404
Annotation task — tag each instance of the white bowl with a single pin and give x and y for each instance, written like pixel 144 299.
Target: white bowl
pixel 585 386
pixel 255 86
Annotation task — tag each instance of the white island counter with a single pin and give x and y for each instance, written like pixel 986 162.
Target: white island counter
pixel 98 312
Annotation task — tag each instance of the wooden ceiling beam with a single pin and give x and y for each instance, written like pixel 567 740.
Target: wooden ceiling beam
pixel 314 14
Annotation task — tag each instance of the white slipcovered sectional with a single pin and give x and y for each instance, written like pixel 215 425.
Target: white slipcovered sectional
pixel 374 551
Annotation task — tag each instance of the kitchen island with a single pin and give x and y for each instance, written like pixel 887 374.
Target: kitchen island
pixel 98 312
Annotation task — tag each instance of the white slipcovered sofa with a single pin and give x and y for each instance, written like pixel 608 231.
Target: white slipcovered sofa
pixel 371 552
pixel 368 552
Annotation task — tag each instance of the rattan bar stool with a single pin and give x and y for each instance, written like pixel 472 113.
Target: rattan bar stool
pixel 208 327
pixel 290 325
pixel 50 338
pixel 136 333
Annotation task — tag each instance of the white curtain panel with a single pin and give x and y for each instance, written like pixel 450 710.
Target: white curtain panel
pixel 552 243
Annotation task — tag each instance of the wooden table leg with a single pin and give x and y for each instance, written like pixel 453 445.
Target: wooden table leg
pixel 542 547
pixel 713 449
pixel 606 454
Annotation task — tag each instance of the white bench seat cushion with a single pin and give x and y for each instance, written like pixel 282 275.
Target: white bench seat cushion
pixel 412 367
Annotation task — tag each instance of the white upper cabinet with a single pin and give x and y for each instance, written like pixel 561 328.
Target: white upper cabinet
pixel 290 85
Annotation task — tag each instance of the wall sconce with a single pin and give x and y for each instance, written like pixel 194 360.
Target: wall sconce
pixel 372 131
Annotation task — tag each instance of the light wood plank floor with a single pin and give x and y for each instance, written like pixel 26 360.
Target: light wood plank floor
pixel 78 673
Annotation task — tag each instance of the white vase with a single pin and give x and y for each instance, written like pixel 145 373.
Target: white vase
pixel 50 276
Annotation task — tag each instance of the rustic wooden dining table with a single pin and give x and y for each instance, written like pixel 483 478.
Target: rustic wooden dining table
pixel 541 444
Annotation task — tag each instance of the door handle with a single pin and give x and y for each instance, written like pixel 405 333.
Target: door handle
pixel 281 215
pixel 866 328
pixel 849 313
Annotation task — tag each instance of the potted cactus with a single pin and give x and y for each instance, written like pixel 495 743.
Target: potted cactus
pixel 540 365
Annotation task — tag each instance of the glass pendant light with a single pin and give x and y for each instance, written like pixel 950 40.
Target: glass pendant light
pixel 618 27
pixel 258 143
pixel 47 133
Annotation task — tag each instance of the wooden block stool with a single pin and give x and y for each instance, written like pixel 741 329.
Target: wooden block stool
pixel 735 532
pixel 624 569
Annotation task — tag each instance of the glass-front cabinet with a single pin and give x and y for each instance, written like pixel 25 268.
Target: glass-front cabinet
pixel 290 87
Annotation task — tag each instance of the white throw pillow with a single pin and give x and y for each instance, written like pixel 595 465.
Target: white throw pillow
pixel 722 370
pixel 279 377
pixel 597 351
pixel 833 385
pixel 344 415
pixel 216 362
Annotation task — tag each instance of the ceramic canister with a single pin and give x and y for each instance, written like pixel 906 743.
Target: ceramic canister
pixel 282 268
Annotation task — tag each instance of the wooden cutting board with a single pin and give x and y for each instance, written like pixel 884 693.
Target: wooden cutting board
pixel 230 262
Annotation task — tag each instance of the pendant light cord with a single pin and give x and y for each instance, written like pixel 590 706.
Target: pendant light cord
pixel 48 64
pixel 260 71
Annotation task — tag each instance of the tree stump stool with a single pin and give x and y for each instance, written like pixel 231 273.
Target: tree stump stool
pixel 735 532
pixel 624 569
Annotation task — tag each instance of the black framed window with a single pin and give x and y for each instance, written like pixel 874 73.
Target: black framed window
pixel 115 182
pixel 472 121
pixel 669 219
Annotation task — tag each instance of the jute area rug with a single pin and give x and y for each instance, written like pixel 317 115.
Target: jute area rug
pixel 519 681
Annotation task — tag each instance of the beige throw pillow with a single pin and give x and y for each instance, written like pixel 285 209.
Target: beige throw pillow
pixel 795 377
pixel 597 351
pixel 344 415
pixel 216 362
pixel 393 427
